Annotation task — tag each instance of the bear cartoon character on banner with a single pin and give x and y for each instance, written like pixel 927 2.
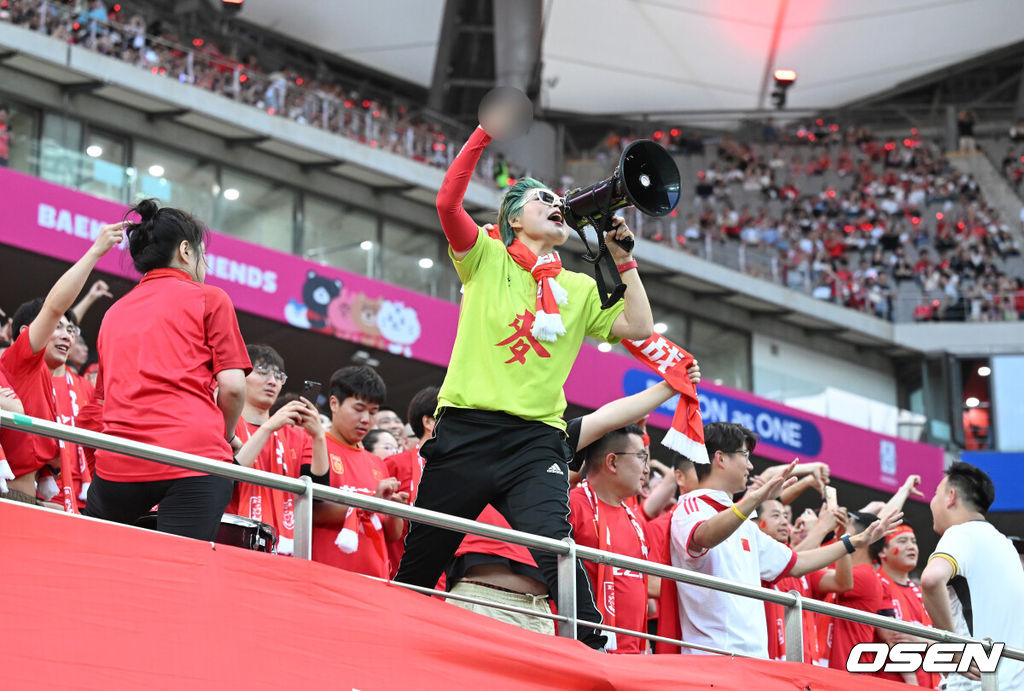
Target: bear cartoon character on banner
pixel 353 316
pixel 399 325
pixel 317 294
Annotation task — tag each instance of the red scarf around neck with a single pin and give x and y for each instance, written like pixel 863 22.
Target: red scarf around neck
pixel 671 362
pixel 547 324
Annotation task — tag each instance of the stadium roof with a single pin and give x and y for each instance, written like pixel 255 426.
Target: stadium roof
pixel 632 56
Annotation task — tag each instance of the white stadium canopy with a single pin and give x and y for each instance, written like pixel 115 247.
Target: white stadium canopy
pixel 632 56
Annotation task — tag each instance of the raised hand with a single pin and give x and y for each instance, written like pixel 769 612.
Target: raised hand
pixel 880 528
pixel 99 289
pixel 912 483
pixel 693 372
pixel 761 489
pixel 289 414
pixel 619 231
pixel 110 235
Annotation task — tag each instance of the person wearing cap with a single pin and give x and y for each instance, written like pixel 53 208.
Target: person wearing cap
pixel 897 557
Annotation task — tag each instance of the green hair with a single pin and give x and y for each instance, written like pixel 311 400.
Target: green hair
pixel 512 205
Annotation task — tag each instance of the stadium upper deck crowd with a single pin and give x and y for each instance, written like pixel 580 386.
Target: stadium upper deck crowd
pixel 839 213
pixel 121 30
pixel 849 216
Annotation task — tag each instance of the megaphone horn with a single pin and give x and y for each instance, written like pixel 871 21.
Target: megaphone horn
pixel 646 178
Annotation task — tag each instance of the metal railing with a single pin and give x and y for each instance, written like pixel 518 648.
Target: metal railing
pixel 567 550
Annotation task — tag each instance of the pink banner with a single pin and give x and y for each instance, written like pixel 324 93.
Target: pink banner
pixel 61 223
pixel 58 222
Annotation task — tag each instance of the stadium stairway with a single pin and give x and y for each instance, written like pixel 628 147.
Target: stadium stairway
pixel 96 605
pixel 996 190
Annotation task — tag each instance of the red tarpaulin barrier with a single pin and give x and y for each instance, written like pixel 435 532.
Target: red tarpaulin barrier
pixel 157 611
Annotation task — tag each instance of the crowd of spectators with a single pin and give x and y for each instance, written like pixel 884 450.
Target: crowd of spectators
pixel 121 30
pixel 848 217
pixel 683 513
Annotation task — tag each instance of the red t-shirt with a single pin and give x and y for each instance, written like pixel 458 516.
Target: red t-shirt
pixel 73 392
pixel 160 347
pixel 287 450
pixel 628 598
pixel 356 470
pixel 28 375
pixel 909 605
pixel 775 614
pixel 868 595
pixel 407 468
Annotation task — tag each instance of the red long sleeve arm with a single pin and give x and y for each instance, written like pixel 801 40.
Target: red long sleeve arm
pixel 460 229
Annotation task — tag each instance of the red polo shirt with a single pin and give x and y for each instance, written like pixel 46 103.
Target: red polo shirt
pixel 160 347
pixel 356 470
pixel 30 378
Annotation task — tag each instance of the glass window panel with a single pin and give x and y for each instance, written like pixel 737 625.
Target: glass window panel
pixel 411 258
pixel 255 209
pixel 724 353
pixel 338 236
pixel 179 180
pixel 102 171
pixel 20 132
pixel 60 150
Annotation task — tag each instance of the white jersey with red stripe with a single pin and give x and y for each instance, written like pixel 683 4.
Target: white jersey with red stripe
pixel 710 617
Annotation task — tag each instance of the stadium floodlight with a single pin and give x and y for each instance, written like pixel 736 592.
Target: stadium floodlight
pixel 783 80
pixel 231 6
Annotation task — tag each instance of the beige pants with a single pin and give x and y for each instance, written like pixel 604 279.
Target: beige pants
pixel 537 603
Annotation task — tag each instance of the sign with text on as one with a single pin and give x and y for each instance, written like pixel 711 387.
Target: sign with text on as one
pixel 854 454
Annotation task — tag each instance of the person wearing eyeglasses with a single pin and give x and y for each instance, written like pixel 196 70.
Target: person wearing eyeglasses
pixel 281 443
pixel 711 534
pixel 44 330
pixel 172 368
pixel 600 517
pixel 522 322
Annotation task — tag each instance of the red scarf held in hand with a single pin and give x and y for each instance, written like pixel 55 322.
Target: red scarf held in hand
pixel 547 324
pixel 671 362
pixel 366 522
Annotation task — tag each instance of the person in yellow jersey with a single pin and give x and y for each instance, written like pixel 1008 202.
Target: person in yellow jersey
pixel 500 437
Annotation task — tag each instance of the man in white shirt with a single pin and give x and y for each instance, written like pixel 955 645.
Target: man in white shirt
pixel 973 584
pixel 711 534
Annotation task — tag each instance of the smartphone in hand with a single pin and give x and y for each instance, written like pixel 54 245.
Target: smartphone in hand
pixel 311 391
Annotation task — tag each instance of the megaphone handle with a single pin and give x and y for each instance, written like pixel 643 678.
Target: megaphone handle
pixel 608 298
pixel 626 244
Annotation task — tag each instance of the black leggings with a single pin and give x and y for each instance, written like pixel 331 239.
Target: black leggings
pixel 189 506
pixel 476 458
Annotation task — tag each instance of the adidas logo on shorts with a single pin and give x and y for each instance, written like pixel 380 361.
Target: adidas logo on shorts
pixel 555 470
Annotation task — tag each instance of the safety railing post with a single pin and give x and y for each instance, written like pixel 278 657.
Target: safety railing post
pixel 794 629
pixel 303 548
pixel 989 680
pixel 567 589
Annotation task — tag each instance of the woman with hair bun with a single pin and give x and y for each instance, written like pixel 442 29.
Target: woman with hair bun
pixel 172 367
